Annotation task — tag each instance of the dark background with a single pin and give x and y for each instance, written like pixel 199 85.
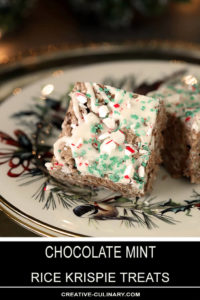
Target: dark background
pixel 51 24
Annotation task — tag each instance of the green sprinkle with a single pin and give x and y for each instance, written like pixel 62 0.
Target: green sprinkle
pixel 133 160
pixel 116 112
pixel 94 129
pixel 101 90
pixel 104 166
pixel 179 91
pixel 143 164
pixel 137 178
pixel 120 148
pixel 75 154
pixel 114 158
pixel 143 107
pixel 122 170
pixel 83 152
pixel 180 105
pixel 120 101
pixel 110 167
pixel 90 170
pixel 96 102
pixel 88 95
pixel 131 95
pixel 137 125
pixel 114 177
pixel 189 113
pixel 134 117
pixel 59 150
pixel 104 156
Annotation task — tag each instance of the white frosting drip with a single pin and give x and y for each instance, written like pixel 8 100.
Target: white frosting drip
pixel 76 108
pixel 57 149
pixel 90 91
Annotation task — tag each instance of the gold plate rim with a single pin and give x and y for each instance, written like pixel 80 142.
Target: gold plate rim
pixel 86 50
pixel 10 210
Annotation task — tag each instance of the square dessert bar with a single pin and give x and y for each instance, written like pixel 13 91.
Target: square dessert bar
pixel 109 138
pixel 181 153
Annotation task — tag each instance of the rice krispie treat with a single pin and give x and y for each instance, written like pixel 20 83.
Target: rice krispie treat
pixel 109 138
pixel 181 153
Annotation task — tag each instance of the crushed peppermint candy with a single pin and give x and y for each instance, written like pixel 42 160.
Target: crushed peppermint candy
pixel 110 123
pixel 129 150
pixel 103 111
pixel 141 171
pixel 81 98
pixel 108 146
pixel 118 137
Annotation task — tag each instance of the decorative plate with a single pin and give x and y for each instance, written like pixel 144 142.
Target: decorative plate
pixel 29 124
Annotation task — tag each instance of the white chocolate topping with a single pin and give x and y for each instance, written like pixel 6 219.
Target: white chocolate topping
pixel 98 143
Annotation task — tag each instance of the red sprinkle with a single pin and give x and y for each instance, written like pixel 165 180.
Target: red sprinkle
pixel 80 164
pixel 86 164
pixel 45 188
pixel 73 145
pixel 79 94
pixel 126 176
pixel 80 145
pixel 187 119
pixel 116 105
pixel 130 149
pixel 109 142
pixel 121 131
pixel 56 163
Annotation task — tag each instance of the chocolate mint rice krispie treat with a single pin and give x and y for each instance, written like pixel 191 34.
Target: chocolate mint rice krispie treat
pixel 109 138
pixel 181 153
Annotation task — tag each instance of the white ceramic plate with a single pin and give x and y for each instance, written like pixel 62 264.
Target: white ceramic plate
pixel 126 218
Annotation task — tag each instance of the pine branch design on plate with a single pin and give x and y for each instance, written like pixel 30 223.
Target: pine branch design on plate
pixel 26 156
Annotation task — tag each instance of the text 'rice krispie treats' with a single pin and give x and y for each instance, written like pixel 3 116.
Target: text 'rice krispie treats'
pixel 109 138
pixel 181 153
